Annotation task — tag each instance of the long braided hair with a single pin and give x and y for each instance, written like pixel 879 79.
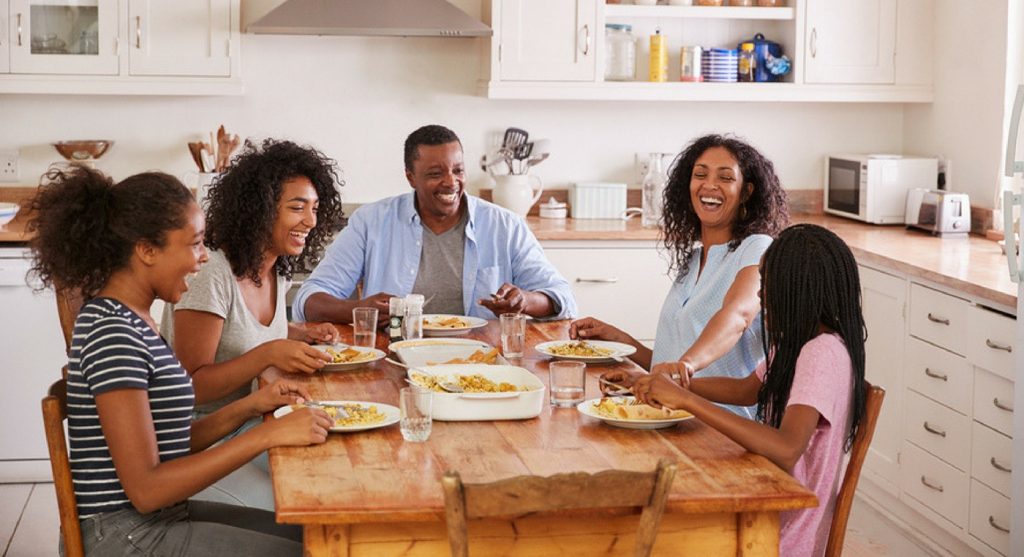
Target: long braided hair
pixel 809 280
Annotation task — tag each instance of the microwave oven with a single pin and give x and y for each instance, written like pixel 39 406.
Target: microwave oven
pixel 873 188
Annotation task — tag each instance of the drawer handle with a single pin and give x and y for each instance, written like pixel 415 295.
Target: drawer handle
pixel 992 522
pixel 930 485
pixel 997 346
pixel 934 319
pixel 997 466
pixel 1000 405
pixel 609 280
pixel 930 373
pixel 933 430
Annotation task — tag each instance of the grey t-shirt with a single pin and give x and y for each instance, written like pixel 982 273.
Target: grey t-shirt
pixel 215 290
pixel 440 274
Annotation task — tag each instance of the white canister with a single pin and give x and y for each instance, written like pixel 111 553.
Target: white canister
pixel 553 209
pixel 200 183
pixel 597 200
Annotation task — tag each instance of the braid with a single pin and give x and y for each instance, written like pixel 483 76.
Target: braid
pixel 810 280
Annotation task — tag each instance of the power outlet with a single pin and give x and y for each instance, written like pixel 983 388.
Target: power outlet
pixel 9 166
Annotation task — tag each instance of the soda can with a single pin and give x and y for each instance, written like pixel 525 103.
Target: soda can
pixel 689 64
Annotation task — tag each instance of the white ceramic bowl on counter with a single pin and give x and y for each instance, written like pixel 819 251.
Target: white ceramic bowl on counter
pixel 7 212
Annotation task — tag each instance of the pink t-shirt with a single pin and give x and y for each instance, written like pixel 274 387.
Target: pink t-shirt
pixel 823 381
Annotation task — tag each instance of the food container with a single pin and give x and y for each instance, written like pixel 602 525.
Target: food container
pixel 426 353
pixel 620 53
pixel 690 64
pixel 467 407
pixel 597 200
pixel 553 210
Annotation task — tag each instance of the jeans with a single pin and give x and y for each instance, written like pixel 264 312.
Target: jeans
pixel 190 528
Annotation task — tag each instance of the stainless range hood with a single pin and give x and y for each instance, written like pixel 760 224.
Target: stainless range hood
pixel 394 18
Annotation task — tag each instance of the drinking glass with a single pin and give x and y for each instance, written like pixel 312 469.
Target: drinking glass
pixel 364 327
pixel 513 335
pixel 567 381
pixel 415 405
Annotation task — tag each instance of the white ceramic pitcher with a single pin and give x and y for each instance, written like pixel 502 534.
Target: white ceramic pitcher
pixel 517 192
pixel 199 182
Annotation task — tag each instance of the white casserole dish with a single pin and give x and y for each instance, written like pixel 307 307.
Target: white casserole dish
pixel 467 407
pixel 436 354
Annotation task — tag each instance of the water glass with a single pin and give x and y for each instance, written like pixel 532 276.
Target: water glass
pixel 364 327
pixel 513 335
pixel 567 382
pixel 415 405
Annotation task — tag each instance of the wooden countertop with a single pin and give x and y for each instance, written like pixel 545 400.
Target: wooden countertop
pixel 590 229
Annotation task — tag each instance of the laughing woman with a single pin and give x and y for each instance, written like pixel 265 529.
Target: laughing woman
pixel 267 216
pixel 723 205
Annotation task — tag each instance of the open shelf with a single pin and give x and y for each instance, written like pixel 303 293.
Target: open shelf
pixel 699 12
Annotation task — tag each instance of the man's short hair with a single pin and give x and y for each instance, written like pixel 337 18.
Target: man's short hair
pixel 427 135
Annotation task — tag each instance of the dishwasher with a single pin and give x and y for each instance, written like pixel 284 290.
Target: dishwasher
pixel 31 357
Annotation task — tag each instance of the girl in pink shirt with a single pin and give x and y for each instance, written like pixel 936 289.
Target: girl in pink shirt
pixel 810 393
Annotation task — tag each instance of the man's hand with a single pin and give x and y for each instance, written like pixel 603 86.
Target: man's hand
pixel 508 299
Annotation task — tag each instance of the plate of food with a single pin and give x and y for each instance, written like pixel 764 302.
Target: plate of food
pixel 585 350
pixel 628 413
pixel 444 325
pixel 357 415
pixel 345 358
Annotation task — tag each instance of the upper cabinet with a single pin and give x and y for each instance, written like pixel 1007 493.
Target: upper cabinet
pixel 184 47
pixel 869 51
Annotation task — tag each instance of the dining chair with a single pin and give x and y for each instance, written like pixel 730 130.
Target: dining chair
pixel 68 303
pixel 859 450
pixel 55 411
pixel 522 495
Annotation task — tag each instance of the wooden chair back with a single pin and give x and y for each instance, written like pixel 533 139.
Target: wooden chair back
pixel 528 494
pixel 68 303
pixel 55 411
pixel 859 450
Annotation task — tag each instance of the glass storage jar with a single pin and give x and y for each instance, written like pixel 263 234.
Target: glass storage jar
pixel 620 58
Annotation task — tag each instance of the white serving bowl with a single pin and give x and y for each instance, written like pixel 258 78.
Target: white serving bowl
pixel 8 212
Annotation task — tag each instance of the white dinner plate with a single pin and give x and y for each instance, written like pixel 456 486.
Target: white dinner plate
pixel 348 366
pixel 587 409
pixel 391 414
pixel 434 331
pixel 620 350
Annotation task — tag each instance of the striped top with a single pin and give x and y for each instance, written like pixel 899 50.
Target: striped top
pixel 113 348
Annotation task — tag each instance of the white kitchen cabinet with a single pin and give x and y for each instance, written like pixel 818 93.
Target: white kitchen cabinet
pixel 850 42
pixel 545 40
pixel 5 42
pixel 184 37
pixel 78 37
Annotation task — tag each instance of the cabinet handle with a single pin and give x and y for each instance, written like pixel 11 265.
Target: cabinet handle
pixel 932 374
pixel 992 523
pixel 997 466
pixel 997 346
pixel 814 42
pixel 586 39
pixel 1000 405
pixel 19 29
pixel 609 280
pixel 138 31
pixel 930 485
pixel 934 431
pixel 940 320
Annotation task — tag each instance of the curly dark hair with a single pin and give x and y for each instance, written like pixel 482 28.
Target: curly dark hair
pixel 85 226
pixel 241 206
pixel 766 208
pixel 426 135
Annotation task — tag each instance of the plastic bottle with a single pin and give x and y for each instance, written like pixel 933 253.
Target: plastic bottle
pixel 748 62
pixel 653 192
pixel 659 58
pixel 412 326
pixel 396 314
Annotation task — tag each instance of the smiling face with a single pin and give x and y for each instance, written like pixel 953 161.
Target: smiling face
pixel 182 254
pixel 439 177
pixel 717 190
pixel 296 217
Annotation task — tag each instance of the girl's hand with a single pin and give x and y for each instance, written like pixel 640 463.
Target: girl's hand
pixel 279 393
pixel 620 377
pixel 590 328
pixel 294 356
pixel 301 427
pixel 659 390
pixel 681 372
pixel 320 333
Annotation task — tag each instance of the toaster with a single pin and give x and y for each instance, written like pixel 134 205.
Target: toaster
pixel 945 214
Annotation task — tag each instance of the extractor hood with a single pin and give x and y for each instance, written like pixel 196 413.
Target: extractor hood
pixel 395 18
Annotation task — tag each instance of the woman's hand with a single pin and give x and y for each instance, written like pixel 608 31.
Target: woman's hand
pixel 590 328
pixel 620 377
pixel 681 372
pixel 317 333
pixel 294 356
pixel 659 390
pixel 279 393
pixel 301 427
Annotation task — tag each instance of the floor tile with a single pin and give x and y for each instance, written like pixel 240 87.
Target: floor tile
pixel 13 497
pixel 868 533
pixel 38 530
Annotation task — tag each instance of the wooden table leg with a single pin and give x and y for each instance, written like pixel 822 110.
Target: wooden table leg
pixel 757 534
pixel 325 540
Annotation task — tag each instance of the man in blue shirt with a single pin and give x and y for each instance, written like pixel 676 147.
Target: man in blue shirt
pixel 465 255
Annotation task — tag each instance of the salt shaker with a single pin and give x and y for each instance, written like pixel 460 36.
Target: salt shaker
pixel 412 326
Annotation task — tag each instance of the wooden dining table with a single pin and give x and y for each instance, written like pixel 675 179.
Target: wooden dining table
pixel 372 493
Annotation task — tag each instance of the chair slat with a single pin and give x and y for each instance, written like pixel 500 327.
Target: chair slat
pixel 54 413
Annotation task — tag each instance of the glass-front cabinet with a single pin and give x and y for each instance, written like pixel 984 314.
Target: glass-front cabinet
pixel 63 37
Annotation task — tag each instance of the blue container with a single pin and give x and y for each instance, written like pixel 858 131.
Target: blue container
pixel 762 48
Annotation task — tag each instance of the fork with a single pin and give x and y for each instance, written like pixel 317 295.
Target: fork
pixel 621 390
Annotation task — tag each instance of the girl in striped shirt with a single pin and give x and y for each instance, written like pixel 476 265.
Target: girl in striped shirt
pixel 136 455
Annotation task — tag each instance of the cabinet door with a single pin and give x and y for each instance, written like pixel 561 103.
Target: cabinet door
pixel 548 40
pixel 64 37
pixel 884 303
pixel 182 38
pixel 5 42
pixel 850 42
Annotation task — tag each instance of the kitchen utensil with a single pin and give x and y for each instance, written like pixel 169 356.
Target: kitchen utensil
pixel 516 405
pixel 514 137
pixel 341 412
pixel 443 383
pixel 620 390
pixel 195 148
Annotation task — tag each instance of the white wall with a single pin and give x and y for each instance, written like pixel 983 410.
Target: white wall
pixel 357 98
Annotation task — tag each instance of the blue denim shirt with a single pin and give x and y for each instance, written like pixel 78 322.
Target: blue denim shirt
pixel 383 242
